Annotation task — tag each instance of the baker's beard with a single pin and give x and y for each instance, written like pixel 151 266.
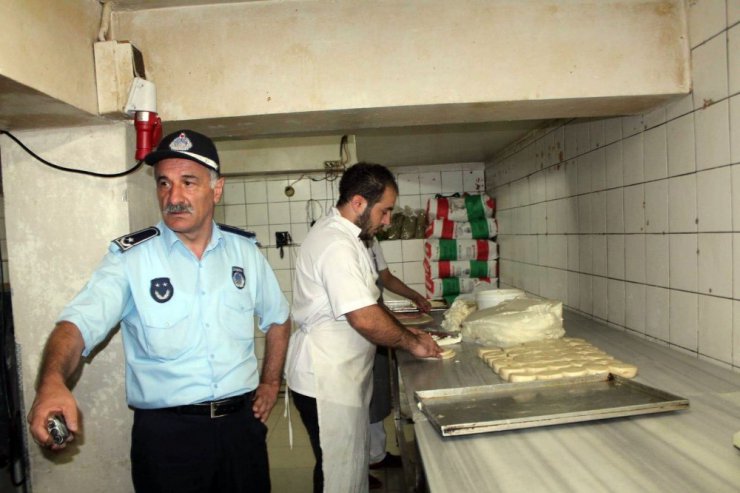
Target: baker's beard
pixel 367 232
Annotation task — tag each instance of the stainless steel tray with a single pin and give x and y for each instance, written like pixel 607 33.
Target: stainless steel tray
pixel 488 408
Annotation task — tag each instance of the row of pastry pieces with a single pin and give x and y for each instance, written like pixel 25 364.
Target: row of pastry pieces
pixel 552 359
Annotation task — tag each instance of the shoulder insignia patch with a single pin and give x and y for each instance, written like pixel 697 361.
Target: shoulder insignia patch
pixel 126 242
pixel 238 231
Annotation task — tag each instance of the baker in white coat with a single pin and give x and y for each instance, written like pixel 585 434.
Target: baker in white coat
pixel 335 307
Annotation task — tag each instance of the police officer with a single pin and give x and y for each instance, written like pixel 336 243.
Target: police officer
pixel 185 293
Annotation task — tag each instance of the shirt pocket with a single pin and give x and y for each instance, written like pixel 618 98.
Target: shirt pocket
pixel 236 316
pixel 168 334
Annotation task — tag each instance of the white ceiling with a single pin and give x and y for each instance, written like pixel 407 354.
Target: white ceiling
pixel 399 146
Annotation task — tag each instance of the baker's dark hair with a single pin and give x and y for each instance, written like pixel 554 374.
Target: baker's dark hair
pixel 368 180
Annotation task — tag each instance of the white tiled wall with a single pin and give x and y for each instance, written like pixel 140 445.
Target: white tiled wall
pixel 647 207
pixel 259 204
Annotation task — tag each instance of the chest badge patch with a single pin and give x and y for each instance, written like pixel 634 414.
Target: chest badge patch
pixel 237 275
pixel 161 289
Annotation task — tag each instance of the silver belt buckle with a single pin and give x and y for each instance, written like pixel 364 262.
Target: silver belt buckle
pixel 214 405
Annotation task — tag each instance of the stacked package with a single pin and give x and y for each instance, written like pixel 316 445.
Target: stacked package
pixel 459 252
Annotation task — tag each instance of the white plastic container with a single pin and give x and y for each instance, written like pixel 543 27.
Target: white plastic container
pixel 492 297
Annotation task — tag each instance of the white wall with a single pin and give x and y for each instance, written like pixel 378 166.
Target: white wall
pixel 636 220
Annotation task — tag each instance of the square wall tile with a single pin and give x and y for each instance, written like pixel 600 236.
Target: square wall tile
pixel 632 125
pixel 633 158
pixel 684 319
pixel 598 252
pixel 583 167
pixel 598 169
pixel 683 262
pixel 599 296
pixel 276 190
pixel 596 134
pixel 616 301
pixel 235 215
pixel 257 215
pixel 615 253
pixel 430 183
pixel 452 181
pixel 413 202
pixel 233 192
pixel 279 212
pixel 615 211
pixel 715 328
pixel 584 213
pixel 320 189
pixel 585 253
pixel 474 181
pixel 273 258
pixel 681 145
pixel 713 136
pixel 614 165
pixel 574 293
pixel 705 20
pixel 679 106
pixel 255 192
pixel 408 184
pixel 301 189
pixel 656 206
pixel 715 255
pixel 654 117
pixel 736 266
pixel 735 128
pixel 612 130
pixel 413 272
pixel 733 56
pixel 634 306
pixel 634 209
pixel 573 252
pixel 392 251
pixel 298 232
pixel 598 212
pixel 558 247
pixel 537 217
pixel 656 153
pixel 585 302
pixel 714 199
pixel 657 312
pixel 634 263
pixel 219 215
pixel 537 187
pixel 656 260
pixel 413 250
pixel 709 71
pixel 736 333
pixel 682 216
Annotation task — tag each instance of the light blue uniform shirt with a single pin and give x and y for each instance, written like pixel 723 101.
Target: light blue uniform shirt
pixel 187 324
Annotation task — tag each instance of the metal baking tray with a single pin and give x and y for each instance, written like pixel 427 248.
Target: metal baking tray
pixel 489 408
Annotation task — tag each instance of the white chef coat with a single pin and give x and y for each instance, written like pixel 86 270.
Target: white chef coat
pixel 334 275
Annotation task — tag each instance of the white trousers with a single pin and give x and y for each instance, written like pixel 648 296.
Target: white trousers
pixel 377 441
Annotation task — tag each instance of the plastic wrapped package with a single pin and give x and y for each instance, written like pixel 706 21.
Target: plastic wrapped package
pixel 449 288
pixel 454 249
pixel 421 224
pixel 461 209
pixel 478 229
pixel 514 322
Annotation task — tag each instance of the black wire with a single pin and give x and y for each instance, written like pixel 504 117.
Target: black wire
pixel 71 170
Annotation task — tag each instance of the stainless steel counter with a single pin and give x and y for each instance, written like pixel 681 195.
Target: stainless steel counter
pixel 683 451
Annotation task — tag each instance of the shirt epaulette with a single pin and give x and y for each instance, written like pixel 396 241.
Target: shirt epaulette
pixel 238 231
pixel 130 240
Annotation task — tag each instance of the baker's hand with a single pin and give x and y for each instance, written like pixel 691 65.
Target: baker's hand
pixel 264 400
pixel 422 303
pixel 425 346
pixel 51 400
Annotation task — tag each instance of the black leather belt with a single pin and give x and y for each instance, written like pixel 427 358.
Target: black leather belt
pixel 214 409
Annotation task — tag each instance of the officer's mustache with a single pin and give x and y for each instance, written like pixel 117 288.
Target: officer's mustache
pixel 175 208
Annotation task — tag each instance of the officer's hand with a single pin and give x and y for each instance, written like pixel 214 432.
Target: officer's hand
pixel 264 400
pixel 51 400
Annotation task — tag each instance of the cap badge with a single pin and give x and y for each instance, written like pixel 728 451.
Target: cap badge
pixel 181 143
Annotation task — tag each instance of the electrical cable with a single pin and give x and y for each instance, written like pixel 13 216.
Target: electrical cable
pixel 70 170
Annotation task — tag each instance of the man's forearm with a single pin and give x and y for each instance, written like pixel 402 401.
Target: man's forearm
pixel 378 326
pixel 276 345
pixel 62 354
